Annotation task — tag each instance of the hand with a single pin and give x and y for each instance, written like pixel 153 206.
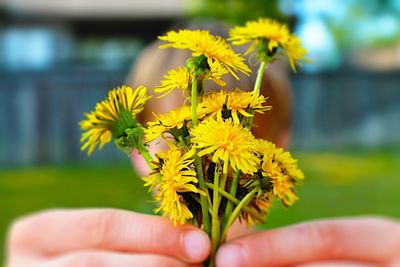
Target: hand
pixel 102 238
pixel 360 242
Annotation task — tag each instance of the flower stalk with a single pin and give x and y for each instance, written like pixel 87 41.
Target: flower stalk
pixel 232 192
pixel 236 212
pixel 197 160
pixel 215 233
pixel 260 74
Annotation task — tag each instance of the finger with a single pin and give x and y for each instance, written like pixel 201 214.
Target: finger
pixel 140 164
pixel 365 239
pixel 107 259
pixel 57 232
pixel 339 264
pixel 138 161
pixel 239 229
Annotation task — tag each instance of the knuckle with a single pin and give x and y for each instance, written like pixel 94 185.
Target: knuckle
pixel 273 248
pixel 160 236
pixel 100 227
pixel 321 236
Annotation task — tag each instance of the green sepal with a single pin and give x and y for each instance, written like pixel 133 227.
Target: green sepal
pixel 132 139
pixel 263 52
pixel 181 135
pixel 260 182
pixel 201 62
pixel 125 121
pixel 198 65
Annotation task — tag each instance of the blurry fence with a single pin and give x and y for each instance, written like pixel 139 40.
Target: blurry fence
pixel 349 108
pixel 39 112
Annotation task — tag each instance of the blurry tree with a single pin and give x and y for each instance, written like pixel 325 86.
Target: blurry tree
pixel 361 32
pixel 354 23
pixel 236 11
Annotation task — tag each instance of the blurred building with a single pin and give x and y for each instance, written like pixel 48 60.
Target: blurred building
pixel 57 58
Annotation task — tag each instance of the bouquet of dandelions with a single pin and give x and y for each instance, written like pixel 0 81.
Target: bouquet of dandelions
pixel 214 170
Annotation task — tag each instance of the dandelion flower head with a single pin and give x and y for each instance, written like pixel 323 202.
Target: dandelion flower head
pixel 228 142
pixel 295 52
pixel 262 205
pixel 174 79
pixel 275 33
pixel 236 101
pixel 112 116
pixel 173 119
pixel 202 43
pixel 173 175
pixel 282 169
pixel 268 35
pixel 180 78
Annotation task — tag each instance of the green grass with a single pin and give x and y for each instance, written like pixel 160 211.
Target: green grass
pixel 337 184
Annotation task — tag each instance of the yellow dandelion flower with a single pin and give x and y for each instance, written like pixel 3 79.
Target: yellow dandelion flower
pixel 214 48
pixel 262 205
pixel 112 116
pixel 237 101
pixel 288 164
pixel 180 78
pixel 295 52
pixel 275 33
pixel 283 188
pixel 174 79
pixel 215 73
pixel 269 35
pixel 173 175
pixel 282 169
pixel 227 142
pixel 173 119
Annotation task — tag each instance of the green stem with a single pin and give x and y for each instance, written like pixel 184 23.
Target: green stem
pixel 203 199
pixel 198 201
pixel 260 73
pixel 222 183
pixel 256 90
pixel 232 192
pixel 198 163
pixel 215 230
pixel 216 222
pixel 193 99
pixel 145 154
pixel 236 212
pixel 236 202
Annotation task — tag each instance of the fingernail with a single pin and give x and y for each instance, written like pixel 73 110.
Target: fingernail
pixel 230 255
pixel 196 244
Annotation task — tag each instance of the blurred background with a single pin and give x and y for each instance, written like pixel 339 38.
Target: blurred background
pixel 58 58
